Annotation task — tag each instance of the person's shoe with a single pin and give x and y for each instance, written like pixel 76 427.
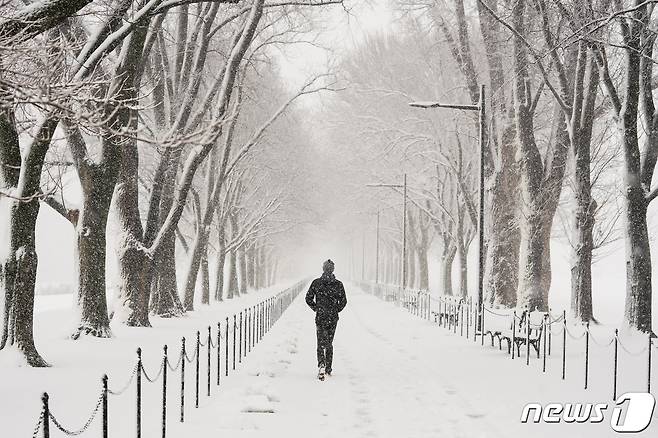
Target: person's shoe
pixel 321 373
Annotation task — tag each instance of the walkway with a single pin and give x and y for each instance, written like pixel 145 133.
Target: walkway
pixel 394 376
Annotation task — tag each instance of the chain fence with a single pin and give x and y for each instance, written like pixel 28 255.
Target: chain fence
pixel 261 317
pixel 515 329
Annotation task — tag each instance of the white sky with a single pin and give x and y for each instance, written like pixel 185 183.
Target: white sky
pixel 340 29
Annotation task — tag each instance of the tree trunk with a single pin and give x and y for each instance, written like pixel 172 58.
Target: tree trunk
pixel 638 252
pixel 205 279
pixel 219 271
pixel 581 266
pixel 18 272
pixel 242 272
pixel 446 269
pixel 463 270
pixel 582 241
pixel 135 268
pixel 90 255
pixel 423 269
pixel 503 238
pixel 232 276
pixel 20 175
pixel 250 266
pixel 165 301
pixel 196 256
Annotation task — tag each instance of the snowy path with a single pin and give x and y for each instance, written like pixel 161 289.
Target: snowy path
pixel 394 376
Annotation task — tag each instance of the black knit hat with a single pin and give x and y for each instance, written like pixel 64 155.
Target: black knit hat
pixel 328 267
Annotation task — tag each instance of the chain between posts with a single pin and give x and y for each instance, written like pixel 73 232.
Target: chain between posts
pixel 77 432
pixel 269 311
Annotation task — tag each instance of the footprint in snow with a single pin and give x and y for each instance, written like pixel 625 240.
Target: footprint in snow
pixel 475 415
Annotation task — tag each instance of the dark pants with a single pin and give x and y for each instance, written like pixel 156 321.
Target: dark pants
pixel 325 330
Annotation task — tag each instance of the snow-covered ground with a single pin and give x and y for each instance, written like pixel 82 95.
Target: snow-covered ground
pixel 73 380
pixel 395 375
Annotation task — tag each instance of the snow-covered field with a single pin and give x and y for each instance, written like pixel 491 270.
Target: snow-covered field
pixel 395 375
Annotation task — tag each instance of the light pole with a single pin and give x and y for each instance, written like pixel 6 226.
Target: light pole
pixel 481 108
pixel 377 252
pixel 402 186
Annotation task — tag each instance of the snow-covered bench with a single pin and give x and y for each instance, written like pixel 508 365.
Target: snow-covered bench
pixel 515 330
pixel 450 312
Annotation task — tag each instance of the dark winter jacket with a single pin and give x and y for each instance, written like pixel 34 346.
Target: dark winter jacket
pixel 326 297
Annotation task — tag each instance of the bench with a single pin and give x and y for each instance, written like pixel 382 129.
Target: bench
pixel 516 331
pixel 450 315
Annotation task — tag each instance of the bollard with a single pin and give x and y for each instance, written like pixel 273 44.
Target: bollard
pixel 219 344
pixel 455 312
pixel 164 391
pixel 196 377
pixel 482 322
pixel 468 317
pixel 253 326
pixel 461 321
pixel 182 381
pixel 527 337
pixel 649 366
pixel 139 392
pixel 550 332
pixel 240 341
pixel 46 415
pixel 564 343
pixel 614 374
pixel 209 342
pixel 245 332
pixel 235 326
pixel 513 340
pixel 586 353
pixel 104 405
pixel 249 330
pixel 226 346
pixel 543 370
pixel 262 321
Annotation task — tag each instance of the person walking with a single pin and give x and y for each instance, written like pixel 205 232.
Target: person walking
pixel 326 297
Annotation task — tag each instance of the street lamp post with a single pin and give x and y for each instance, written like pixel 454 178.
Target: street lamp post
pixel 377 252
pixel 481 108
pixel 402 186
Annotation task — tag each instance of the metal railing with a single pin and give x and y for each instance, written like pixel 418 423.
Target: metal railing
pixel 246 329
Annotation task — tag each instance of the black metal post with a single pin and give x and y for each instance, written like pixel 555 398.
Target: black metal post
pixel 240 341
pixel 219 345
pixel 46 415
pixel 586 354
pixel 564 343
pixel 196 385
pixel 164 392
pixel 482 322
pixel 543 369
pixel 649 366
pixel 527 337
pixel 235 326
pixel 104 405
pixel 249 328
pixel 513 340
pixel 482 140
pixel 614 376
pixel 209 348
pixel 226 347
pixel 182 381
pixel 139 392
